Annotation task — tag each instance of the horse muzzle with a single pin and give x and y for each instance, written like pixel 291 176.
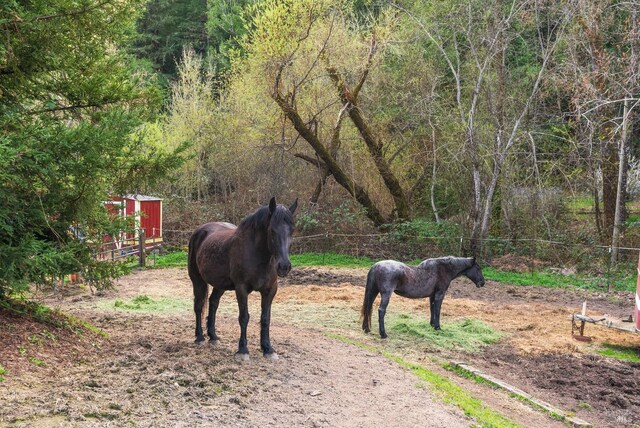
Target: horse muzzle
pixel 283 269
pixel 480 284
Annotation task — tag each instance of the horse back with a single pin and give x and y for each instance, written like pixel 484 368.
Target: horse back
pixel 390 275
pixel 209 253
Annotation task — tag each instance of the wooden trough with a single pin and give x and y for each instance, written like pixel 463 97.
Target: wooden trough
pixel 632 324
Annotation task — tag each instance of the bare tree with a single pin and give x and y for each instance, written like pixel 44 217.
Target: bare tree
pixel 318 49
pixel 483 44
pixel 604 65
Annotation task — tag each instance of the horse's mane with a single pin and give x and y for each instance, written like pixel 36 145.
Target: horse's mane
pixel 260 218
pixel 458 262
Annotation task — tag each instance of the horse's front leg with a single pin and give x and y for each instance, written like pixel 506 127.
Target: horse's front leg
pixel 265 321
pixel 436 307
pixel 243 319
pixel 214 302
pixel 432 309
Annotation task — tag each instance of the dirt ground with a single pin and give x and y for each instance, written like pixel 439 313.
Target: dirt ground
pixel 148 372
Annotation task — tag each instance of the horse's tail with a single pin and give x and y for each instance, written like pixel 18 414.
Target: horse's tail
pixel 370 293
pixel 200 287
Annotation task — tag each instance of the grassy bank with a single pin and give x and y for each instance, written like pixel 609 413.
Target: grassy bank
pixel 536 278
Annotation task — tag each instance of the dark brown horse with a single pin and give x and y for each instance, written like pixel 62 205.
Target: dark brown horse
pixel 431 279
pixel 246 258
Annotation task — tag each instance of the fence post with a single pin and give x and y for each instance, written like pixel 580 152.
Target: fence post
pixel 141 247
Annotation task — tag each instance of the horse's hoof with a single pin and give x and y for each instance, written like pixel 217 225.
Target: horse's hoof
pixel 272 356
pixel 383 336
pixel 241 357
pixel 199 342
pixel 214 342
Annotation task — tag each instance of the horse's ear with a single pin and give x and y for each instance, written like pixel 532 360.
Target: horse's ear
pixel 293 207
pixel 272 205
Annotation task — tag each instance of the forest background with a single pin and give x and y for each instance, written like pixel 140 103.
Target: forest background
pixel 408 129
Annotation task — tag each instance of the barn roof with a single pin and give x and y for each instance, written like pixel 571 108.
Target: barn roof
pixel 142 197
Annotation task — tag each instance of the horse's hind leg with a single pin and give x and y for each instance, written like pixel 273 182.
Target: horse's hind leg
pixel 200 291
pixel 214 301
pixel 370 294
pixel 384 301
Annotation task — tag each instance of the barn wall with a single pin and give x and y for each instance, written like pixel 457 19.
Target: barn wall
pixel 151 220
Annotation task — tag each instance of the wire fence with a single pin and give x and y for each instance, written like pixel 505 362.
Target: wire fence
pixel 135 245
pixel 530 254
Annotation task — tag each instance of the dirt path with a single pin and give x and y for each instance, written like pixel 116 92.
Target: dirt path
pixel 149 373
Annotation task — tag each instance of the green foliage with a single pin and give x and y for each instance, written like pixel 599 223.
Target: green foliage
pixel 469 335
pixel 67 140
pixel 445 235
pixel 166 28
pixel 307 220
pixel 3 372
pixel 344 216
pixel 623 353
pixel 226 27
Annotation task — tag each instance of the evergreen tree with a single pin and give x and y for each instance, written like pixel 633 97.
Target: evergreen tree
pixel 70 101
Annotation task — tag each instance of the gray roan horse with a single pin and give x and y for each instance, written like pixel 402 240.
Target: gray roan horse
pixel 246 258
pixel 430 279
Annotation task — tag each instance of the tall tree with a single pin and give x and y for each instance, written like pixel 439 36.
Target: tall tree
pixel 305 47
pixel 226 27
pixel 70 101
pixel 166 27
pixel 603 66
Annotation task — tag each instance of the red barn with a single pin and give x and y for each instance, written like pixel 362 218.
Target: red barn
pixel 147 214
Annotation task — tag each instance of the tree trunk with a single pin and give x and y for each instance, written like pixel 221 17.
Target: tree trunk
pixel 354 189
pixel 620 193
pixel 609 187
pixel 374 145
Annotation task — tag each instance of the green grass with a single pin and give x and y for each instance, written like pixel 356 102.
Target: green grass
pixel 330 259
pixel 554 280
pixel 623 353
pixel 146 304
pixel 46 315
pixel 469 335
pixel 443 388
pixel 541 278
pixel 176 259
pixel 579 203
pixel 179 259
pixel 3 372
pixel 544 279
pixel 37 362
pixel 454 368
